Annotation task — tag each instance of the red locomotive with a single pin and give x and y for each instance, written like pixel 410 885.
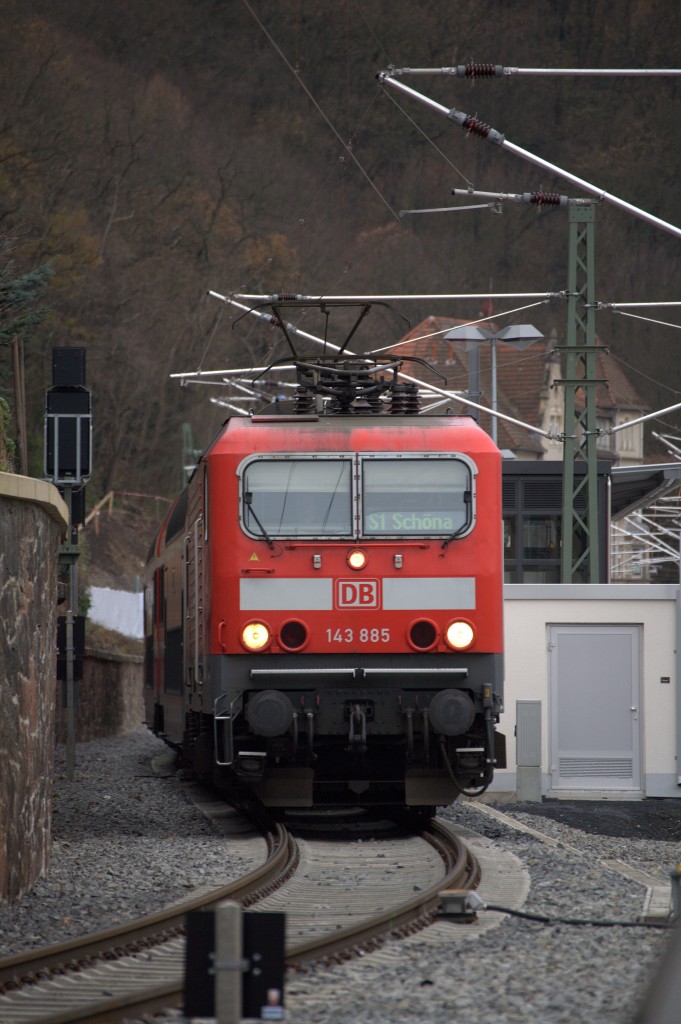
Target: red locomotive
pixel 324 601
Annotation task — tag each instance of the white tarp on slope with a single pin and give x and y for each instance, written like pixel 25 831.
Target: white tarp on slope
pixel 117 609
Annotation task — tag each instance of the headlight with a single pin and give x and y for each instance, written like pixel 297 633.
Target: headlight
pixel 459 635
pixel 255 636
pixel 357 558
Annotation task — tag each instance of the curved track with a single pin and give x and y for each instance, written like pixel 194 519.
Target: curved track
pixel 138 968
pixel 132 967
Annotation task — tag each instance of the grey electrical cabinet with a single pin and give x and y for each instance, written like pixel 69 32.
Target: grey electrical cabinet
pixel 528 750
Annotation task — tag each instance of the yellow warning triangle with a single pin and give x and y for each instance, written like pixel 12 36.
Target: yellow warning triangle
pixel 254 558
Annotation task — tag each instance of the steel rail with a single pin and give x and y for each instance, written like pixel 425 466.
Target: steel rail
pixel 133 937
pixel 112 1009
pixel 462 871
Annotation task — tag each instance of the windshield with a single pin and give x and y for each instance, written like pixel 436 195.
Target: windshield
pixel 424 495
pixel 419 496
pixel 298 497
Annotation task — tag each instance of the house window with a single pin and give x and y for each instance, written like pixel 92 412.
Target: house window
pixel 605 441
pixel 629 440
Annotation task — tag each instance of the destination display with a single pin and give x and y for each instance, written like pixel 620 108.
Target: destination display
pixel 410 522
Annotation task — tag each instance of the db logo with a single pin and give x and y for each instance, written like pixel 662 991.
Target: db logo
pixel 357 593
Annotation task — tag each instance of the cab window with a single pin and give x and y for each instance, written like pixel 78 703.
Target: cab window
pixel 297 497
pixel 423 496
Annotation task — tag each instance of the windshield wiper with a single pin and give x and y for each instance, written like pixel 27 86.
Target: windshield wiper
pixel 248 501
pixel 467 500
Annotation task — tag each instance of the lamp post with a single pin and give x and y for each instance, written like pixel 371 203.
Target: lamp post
pixel 519 336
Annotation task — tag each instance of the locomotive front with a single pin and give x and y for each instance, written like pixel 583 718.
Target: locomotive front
pixel 349 647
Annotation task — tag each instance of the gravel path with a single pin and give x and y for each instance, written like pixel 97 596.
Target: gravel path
pixel 125 838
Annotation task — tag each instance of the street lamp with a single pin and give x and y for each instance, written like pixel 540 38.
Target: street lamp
pixel 519 336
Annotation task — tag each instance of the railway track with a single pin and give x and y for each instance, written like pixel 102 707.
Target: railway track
pixel 132 968
pixel 138 968
pixel 357 916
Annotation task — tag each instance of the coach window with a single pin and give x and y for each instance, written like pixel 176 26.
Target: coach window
pixel 297 497
pixel 421 496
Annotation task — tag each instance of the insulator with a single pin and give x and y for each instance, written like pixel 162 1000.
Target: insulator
pixel 543 198
pixel 475 127
pixel 361 406
pixel 480 71
pixel 399 404
pixel 413 404
pixel 287 296
pixel 304 402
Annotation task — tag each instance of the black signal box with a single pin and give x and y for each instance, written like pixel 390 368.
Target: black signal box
pixel 68 435
pixel 68 367
pixel 68 420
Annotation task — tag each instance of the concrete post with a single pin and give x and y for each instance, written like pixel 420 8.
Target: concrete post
pixel 228 964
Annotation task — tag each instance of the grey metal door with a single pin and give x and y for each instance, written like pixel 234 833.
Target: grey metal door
pixel 594 688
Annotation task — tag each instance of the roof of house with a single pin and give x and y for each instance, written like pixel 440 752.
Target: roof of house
pixel 523 378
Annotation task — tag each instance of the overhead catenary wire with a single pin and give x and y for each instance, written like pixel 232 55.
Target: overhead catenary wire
pixel 646 376
pixel 528 198
pixel 666 440
pixel 403 376
pixel 641 419
pixel 544 297
pixel 224 404
pixel 635 305
pixel 430 141
pixel 481 70
pixel 407 377
pixel 445 330
pixel 623 307
pixel 425 296
pixel 494 207
pixel 227 372
pixel 647 319
pixel 347 149
pixel 473 126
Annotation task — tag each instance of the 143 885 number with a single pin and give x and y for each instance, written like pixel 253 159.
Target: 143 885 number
pixel 363 636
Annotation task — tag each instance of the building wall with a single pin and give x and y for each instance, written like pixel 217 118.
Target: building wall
pixel 529 610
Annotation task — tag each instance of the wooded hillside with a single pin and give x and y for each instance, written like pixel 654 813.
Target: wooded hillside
pixel 150 151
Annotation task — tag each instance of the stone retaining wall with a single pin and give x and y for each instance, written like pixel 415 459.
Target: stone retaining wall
pixel 110 699
pixel 33 522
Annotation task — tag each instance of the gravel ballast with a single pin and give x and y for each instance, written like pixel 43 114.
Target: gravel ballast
pixel 126 840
